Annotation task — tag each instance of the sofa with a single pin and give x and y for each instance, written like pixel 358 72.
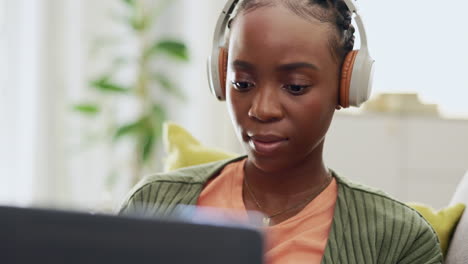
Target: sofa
pixel 458 248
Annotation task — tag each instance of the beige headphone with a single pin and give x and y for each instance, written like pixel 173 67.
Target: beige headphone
pixel 356 73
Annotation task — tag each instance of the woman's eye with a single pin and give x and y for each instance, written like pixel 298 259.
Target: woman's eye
pixel 296 89
pixel 242 86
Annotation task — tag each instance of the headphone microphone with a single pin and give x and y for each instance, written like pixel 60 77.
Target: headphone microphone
pixel 356 73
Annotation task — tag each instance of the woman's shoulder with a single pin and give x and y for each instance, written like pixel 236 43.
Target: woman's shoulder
pixel 166 188
pixel 198 174
pixel 390 226
pixel 376 201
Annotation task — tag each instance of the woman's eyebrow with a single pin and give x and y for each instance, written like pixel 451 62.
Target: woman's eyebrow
pixel 239 64
pixel 297 65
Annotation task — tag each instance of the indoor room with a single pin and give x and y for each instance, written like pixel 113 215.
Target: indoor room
pixel 97 97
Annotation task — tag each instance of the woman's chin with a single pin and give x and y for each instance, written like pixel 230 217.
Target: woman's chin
pixel 267 163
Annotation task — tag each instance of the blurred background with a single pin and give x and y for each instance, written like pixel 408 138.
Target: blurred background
pixel 85 86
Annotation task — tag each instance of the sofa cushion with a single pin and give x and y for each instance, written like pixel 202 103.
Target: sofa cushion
pixel 443 221
pixel 183 150
pixel 457 252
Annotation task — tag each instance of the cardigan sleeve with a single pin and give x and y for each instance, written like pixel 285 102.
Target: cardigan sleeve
pixel 161 193
pixel 425 247
pixel 160 198
pixel 135 203
pixel 372 227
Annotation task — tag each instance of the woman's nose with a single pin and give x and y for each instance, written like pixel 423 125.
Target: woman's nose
pixel 266 106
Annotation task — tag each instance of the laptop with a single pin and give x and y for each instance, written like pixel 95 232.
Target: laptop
pixel 57 237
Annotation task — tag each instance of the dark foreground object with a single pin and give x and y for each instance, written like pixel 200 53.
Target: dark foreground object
pixel 53 237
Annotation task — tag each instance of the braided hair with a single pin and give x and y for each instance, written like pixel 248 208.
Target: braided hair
pixel 334 12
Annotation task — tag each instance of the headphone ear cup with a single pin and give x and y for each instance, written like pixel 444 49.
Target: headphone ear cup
pixel 346 76
pixel 222 66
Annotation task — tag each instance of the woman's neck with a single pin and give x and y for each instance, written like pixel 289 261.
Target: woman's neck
pixel 300 178
pixel 280 191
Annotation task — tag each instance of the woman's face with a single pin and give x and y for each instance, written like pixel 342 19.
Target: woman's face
pixel 282 86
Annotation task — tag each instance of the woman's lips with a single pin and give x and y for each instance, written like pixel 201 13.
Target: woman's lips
pixel 266 144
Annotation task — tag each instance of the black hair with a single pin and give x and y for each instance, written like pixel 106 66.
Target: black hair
pixel 334 12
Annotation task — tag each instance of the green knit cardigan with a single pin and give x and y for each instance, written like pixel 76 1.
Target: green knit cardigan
pixel 368 226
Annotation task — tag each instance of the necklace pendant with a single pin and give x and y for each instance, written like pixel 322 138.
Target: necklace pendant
pixel 266 221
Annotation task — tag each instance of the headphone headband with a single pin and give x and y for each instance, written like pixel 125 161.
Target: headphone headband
pixel 359 71
pixel 214 77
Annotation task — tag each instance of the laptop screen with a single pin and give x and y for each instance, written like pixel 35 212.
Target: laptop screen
pixel 53 237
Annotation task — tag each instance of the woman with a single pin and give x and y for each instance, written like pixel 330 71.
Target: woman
pixel 282 88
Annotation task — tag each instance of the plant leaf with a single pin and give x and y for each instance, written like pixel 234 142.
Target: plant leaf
pixel 87 108
pixel 132 128
pixel 159 116
pixel 105 85
pixel 175 49
pixel 159 113
pixel 139 23
pixel 129 2
pixel 148 145
pixel 151 131
pixel 168 86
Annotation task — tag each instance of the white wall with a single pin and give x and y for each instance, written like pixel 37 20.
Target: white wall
pixel 19 75
pixel 412 158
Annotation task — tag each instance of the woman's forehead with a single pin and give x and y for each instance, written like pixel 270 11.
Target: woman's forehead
pixel 279 32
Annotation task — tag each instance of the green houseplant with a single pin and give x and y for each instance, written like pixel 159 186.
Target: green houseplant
pixel 149 86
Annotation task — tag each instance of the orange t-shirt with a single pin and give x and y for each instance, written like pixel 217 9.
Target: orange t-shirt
pixel 300 239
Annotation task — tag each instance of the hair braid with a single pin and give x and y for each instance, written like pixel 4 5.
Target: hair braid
pixel 344 21
pixel 334 12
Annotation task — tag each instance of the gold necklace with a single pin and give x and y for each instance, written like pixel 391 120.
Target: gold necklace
pixel 267 219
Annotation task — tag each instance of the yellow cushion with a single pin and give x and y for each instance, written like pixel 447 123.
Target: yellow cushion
pixel 184 150
pixel 444 221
